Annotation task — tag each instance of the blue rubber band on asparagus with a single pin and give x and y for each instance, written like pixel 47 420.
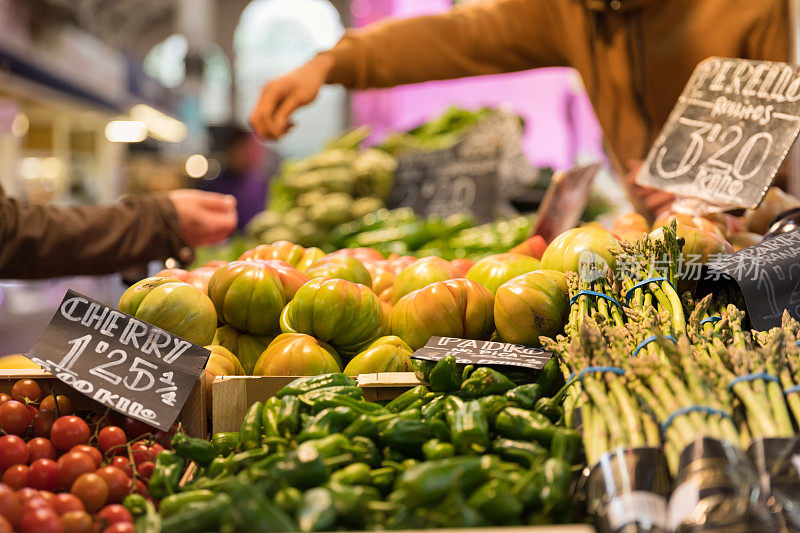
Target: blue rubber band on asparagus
pixel 598 295
pixel 648 340
pixel 640 284
pixel 752 377
pixel 595 369
pixel 791 390
pixel 692 409
pixel 710 319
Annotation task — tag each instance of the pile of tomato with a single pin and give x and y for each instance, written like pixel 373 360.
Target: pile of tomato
pixel 63 473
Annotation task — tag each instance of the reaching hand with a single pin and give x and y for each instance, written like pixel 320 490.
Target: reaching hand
pixel 655 201
pixel 204 217
pixel 281 96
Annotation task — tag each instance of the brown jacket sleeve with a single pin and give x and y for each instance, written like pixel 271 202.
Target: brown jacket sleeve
pixel 484 38
pixel 39 241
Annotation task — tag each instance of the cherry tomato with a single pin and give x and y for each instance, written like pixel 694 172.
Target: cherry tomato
pixel 64 404
pixel 4 397
pixel 14 417
pixel 72 465
pixel 66 502
pixel 10 505
pixel 91 451
pixel 40 520
pixel 16 477
pixel 41 448
pixel 48 497
pixel 155 449
pixel 91 490
pixel 124 464
pixel 141 453
pixel 42 475
pixel 141 488
pixel 145 470
pixel 26 493
pixel 118 482
pixel 12 452
pixel 26 389
pixel 111 514
pixel 68 431
pixel 5 526
pixel 120 527
pixel 112 440
pixel 43 422
pixel 77 522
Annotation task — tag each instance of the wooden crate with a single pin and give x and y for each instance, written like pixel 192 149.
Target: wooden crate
pixel 232 395
pixel 192 416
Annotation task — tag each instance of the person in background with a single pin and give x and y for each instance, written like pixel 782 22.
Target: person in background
pixel 40 241
pixel 243 175
pixel 634 56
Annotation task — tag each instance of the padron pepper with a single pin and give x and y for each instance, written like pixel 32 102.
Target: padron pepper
pixel 326 422
pixel 269 417
pixel 317 511
pixel 566 445
pixel 351 391
pixel 330 446
pixel 166 474
pixel 303 468
pixel 402 402
pixel 174 503
pixel 445 375
pixel 365 450
pixel 198 450
pixel 485 381
pixel 525 453
pixel 307 384
pixel 549 376
pixel 359 406
pixel 469 428
pixel 135 503
pixel 289 416
pixel 252 510
pixel 226 442
pixel 288 499
pixel 434 408
pixel 436 449
pixel 550 407
pixel 351 502
pixel 251 429
pixel 557 480
pixel 525 396
pixel 496 501
pixel 406 436
pixel 516 423
pixel 197 517
pixel 429 482
pixel 492 405
pixel 353 474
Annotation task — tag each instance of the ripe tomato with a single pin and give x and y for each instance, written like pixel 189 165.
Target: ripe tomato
pixel 66 502
pixel 12 452
pixel 120 527
pixel 72 465
pixel 91 490
pixel 68 431
pixel 42 475
pixel 26 493
pixel 112 440
pixel 48 497
pixel 5 526
pixel 16 477
pixel 14 417
pixel 111 514
pixel 155 449
pixel 91 451
pixel 49 404
pixel 141 488
pixel 42 423
pixel 41 448
pixel 77 522
pixel 26 389
pixel 4 397
pixel 10 505
pixel 118 482
pixel 40 520
pixel 124 464
pixel 141 453
pixel 145 470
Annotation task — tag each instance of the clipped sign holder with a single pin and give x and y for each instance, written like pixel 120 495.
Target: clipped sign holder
pixel 483 353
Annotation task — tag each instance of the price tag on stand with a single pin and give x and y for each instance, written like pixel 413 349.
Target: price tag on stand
pixel 119 361
pixel 728 135
pixel 768 274
pixel 484 353
pixel 564 201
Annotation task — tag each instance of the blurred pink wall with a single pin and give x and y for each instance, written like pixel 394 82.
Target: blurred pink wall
pixel 560 124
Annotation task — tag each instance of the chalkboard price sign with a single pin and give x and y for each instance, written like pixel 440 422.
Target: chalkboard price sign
pixel 768 274
pixel 119 361
pixel 728 134
pixel 485 353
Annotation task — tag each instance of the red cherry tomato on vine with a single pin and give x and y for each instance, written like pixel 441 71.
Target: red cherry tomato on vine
pixel 114 513
pixel 42 423
pixel 4 397
pixel 141 453
pixel 145 470
pixel 41 448
pixel 112 440
pixel 49 404
pixel 13 451
pixel 91 490
pixel 68 431
pixel 66 502
pixel 91 451
pixel 120 527
pixel 72 465
pixel 10 505
pixel 5 526
pixel 77 522
pixel 118 482
pixel 123 463
pixel 16 477
pixel 40 520
pixel 26 390
pixel 42 475
pixel 15 417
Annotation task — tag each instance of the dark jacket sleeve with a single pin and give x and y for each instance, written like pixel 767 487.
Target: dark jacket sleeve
pixel 40 241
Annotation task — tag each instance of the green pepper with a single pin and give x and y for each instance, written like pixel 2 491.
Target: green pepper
pixel 250 431
pixel 525 453
pixel 351 501
pixel 516 423
pixel 383 478
pixel 307 384
pixel 149 521
pixel 269 418
pixel 197 517
pixel 135 503
pixel 422 369
pixel 549 377
pixel 529 487
pixel 198 450
pixel 220 465
pixel 485 381
pixel 557 480
pixel 436 449
pixel 434 408
pixel 225 443
pixel 353 474
pixel 302 467
pixel 406 436
pixel 289 416
pixel 550 407
pixel 496 501
pixel 367 425
pixel 366 450
pixel 288 499
pixel 445 376
pixel 246 458
pixel 326 422
pixel 330 446
pixel 429 482
pixel 166 474
pixel 175 502
pixel 467 372
pixel 350 391
pixel 566 444
pixel 439 428
pixel 469 429
pixel 492 405
pixel 359 406
pixel 410 396
pixel 525 396
pixel 317 511
pixel 252 511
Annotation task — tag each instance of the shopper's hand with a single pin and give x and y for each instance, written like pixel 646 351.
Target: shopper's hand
pixel 281 96
pixel 655 201
pixel 204 217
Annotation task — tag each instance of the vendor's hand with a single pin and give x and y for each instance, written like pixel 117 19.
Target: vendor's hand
pixel 204 217
pixel 281 96
pixel 655 201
